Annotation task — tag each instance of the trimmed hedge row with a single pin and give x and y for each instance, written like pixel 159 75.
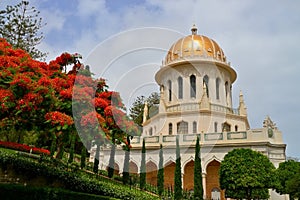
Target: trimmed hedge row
pixel 8 192
pixel 71 180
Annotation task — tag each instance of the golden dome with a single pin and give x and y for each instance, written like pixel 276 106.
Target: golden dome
pixel 195 46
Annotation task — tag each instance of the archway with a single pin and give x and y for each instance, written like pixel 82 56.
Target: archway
pixel 133 168
pixel 117 169
pixel 151 173
pixel 169 171
pixel 212 181
pixel 188 176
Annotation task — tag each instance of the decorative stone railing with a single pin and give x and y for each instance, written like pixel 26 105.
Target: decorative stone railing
pixel 183 107
pixel 223 109
pixel 196 106
pixel 255 135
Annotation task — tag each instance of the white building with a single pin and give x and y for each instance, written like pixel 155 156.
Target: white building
pixel 195 82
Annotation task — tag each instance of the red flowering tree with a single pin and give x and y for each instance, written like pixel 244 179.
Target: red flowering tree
pixel 35 95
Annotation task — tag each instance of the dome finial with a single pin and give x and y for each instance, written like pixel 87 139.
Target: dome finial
pixel 194 29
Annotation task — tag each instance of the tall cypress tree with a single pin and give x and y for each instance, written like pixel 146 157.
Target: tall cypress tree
pixel 96 159
pixel 126 176
pixel 83 157
pixel 72 148
pixel 143 167
pixel 111 165
pixel 177 176
pixel 160 174
pixel 198 187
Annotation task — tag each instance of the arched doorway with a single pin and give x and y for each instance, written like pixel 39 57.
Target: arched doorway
pixel 169 171
pixel 213 189
pixel 188 176
pixel 116 169
pixel 151 173
pixel 133 168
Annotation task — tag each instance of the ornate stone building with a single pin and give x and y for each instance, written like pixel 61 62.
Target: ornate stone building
pixel 195 82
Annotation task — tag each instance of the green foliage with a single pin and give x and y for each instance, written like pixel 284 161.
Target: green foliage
pixel 288 174
pixel 247 174
pixel 9 192
pixel 137 108
pixel 177 176
pixel 20 25
pixel 54 171
pixel 198 187
pixel 160 173
pixel 143 167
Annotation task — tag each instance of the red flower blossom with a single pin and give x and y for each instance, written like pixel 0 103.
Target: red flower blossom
pixel 100 103
pixel 67 93
pixel 58 118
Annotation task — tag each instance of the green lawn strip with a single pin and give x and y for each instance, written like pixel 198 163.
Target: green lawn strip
pixel 11 191
pixel 72 179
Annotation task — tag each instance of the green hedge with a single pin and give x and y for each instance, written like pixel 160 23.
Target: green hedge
pixel 75 180
pixel 9 192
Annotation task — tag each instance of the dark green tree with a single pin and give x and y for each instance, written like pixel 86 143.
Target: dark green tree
pixel 72 148
pixel 83 157
pixel 198 187
pixel 137 108
pixel 126 175
pixel 246 174
pixel 286 174
pixel 111 165
pixel 143 167
pixel 177 175
pixel 96 159
pixel 160 173
pixel 20 25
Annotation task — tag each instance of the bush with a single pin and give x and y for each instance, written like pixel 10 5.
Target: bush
pixel 9 192
pixel 54 171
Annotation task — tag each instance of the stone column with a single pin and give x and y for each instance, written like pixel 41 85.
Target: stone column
pixel 204 185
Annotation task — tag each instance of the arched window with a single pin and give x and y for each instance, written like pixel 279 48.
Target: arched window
pixel 226 127
pixel 194 127
pixel 170 90
pixel 170 128
pixel 218 88
pixel 216 127
pixel 205 81
pixel 226 89
pixel 180 87
pixel 150 131
pixel 193 86
pixel 182 127
pixel 236 128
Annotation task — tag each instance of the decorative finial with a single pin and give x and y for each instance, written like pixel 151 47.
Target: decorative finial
pixel 194 29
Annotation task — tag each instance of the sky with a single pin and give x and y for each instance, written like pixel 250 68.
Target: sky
pixel 125 41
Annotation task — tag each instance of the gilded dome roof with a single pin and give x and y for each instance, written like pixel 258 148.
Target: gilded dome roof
pixel 195 46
